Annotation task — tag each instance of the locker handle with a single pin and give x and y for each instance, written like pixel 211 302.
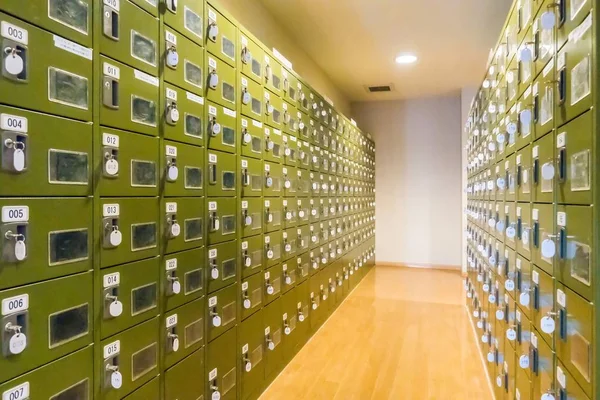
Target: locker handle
pixel 536 297
pixel 562 323
pixel 536 108
pixel 536 171
pixel 212 169
pixel 519 333
pixel 506 311
pixel 518 175
pixel 562 242
pixel 519 228
pixel 536 234
pixel 536 46
pixel 562 394
pixel 562 164
pixel 111 23
pixel 534 360
pixel 562 12
pixel 562 86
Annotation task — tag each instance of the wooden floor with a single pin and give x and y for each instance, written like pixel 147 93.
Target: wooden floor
pixel 402 334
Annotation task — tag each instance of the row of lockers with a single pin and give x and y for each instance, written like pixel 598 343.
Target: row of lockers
pixel 531 215
pixel 199 208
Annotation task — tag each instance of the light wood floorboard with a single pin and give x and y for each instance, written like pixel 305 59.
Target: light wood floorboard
pixel 402 334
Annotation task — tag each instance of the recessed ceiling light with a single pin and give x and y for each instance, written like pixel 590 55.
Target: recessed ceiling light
pixel 406 58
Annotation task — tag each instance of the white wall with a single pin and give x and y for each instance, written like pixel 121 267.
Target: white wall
pixel 418 178
pixel 253 15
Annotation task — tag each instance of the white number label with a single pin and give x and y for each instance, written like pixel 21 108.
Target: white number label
pixel 112 349
pixel 171 264
pixel 13 123
pixel 212 63
pixel 15 304
pixel 561 297
pixel 110 140
pixel 20 392
pixel 15 33
pixel 212 375
pixel 212 253
pixel 111 210
pixel 212 206
pixel 112 279
pixel 171 320
pixel 212 158
pixel 244 205
pixel 561 219
pixel 111 70
pixel 15 214
pixel 171 94
pixel 171 207
pixel 212 110
pixel 245 286
pixel 170 37
pixel 171 151
pixel 244 245
pixel 212 301
pixel 112 3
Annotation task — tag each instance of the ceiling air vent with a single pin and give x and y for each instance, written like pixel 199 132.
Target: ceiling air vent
pixel 379 88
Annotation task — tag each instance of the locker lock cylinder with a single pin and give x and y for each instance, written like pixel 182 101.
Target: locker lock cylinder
pixel 172 169
pixel 268 338
pixel 216 318
pixel 173 284
pixel 287 278
pixel 112 235
pixel 247 217
pixel 15 56
pixel 287 329
pixel 172 57
pixel 213 126
pixel 113 308
pixel 268 285
pixel 174 229
pixel 301 316
pixel 14 339
pixel 247 303
pixel 287 246
pixel 13 154
pixel 246 136
pixel 245 256
pixel 246 359
pixel 15 248
pixel 214 269
pixel 172 337
pixel 172 112
pixel 246 55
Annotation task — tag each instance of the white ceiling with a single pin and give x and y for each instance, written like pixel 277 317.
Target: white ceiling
pixel 356 41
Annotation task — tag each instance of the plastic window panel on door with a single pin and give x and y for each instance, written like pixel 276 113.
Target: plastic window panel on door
pixel 186 71
pixel 184 116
